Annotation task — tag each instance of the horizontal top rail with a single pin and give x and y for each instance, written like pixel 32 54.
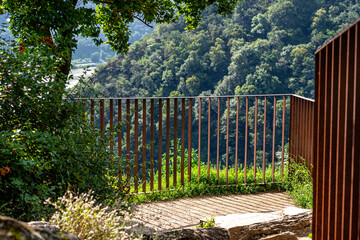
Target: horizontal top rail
pixel 338 36
pixel 193 97
pixel 304 98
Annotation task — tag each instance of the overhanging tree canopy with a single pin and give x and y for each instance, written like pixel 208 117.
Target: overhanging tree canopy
pixel 58 22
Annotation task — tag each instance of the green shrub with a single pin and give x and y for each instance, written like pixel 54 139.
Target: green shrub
pixel 81 216
pixel 47 145
pixel 299 185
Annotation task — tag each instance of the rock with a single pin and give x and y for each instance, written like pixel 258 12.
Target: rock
pixel 281 236
pixel 11 229
pixel 213 233
pixel 285 224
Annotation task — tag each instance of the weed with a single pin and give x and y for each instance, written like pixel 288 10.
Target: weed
pixel 209 222
pixel 82 216
pixel 299 185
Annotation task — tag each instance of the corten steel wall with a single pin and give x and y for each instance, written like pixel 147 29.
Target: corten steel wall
pixel 337 138
pixel 301 129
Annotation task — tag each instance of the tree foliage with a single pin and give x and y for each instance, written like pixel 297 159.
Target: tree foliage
pixel 59 22
pixel 264 47
pixel 266 44
pixel 47 144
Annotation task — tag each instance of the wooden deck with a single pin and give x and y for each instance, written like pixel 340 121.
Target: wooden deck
pixel 186 213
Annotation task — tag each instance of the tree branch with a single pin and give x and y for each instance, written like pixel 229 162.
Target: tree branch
pixel 143 21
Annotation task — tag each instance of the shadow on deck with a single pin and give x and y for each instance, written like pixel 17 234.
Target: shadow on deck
pixel 186 213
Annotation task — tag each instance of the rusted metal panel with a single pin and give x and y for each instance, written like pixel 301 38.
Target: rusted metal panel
pixel 315 139
pixel 340 135
pixel 347 181
pixel 325 152
pixel 301 129
pixel 355 164
pixel 333 133
pixel 336 121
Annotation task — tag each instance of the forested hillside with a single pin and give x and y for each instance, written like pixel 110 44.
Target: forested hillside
pixel 263 47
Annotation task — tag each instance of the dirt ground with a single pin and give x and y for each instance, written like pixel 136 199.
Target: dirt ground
pixel 186 213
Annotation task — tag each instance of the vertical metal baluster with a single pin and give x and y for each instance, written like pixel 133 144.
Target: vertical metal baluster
pixel 167 142
pixel 273 147
pixel 237 140
pixel 152 127
pixel 92 118
pixel 199 147
pixel 264 140
pixel 255 136
pixel 111 129
pixel 144 147
pixel 227 140
pixel 218 145
pixel 182 140
pixel 128 141
pixel 175 141
pixel 246 138
pixel 102 119
pixel 283 138
pixel 160 146
pixel 136 148
pixel 119 135
pixel 209 132
pixel 190 139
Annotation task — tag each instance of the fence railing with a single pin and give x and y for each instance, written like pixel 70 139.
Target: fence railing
pixel 301 138
pixel 217 140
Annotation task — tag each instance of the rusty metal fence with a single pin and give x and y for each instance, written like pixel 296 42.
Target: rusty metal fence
pixel 218 136
pixel 337 138
pixel 301 129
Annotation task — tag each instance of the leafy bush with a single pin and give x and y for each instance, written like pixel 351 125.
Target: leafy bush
pixel 47 145
pixel 299 184
pixel 81 216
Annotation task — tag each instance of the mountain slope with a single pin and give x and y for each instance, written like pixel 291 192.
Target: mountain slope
pixel 263 47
